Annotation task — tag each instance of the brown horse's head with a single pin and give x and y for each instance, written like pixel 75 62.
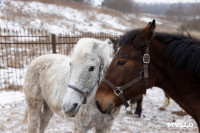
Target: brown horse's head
pixel 125 67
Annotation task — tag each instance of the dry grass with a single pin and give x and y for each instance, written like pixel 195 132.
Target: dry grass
pixel 66 3
pixel 109 11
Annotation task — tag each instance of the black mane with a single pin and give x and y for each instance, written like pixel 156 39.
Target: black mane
pixel 128 37
pixel 182 50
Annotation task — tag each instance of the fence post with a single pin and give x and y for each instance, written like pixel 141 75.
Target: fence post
pixel 53 39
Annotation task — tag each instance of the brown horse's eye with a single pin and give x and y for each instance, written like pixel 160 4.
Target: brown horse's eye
pixel 121 62
pixel 91 68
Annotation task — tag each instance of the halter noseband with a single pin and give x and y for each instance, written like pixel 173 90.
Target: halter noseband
pixel 119 90
pixel 84 93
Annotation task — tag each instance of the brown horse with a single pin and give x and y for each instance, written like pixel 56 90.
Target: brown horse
pixel 138 101
pixel 145 59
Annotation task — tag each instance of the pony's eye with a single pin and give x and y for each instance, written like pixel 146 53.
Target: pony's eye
pixel 70 64
pixel 121 62
pixel 91 68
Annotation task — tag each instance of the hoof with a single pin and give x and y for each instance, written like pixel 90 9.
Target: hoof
pixel 180 113
pixel 136 116
pixel 129 112
pixel 161 108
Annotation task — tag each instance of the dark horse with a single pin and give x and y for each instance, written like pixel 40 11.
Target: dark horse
pixel 145 59
pixel 138 101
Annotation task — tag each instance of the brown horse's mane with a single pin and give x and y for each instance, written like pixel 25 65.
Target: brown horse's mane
pixel 183 50
pixel 128 37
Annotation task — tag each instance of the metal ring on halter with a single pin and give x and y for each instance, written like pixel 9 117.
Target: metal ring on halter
pixel 142 74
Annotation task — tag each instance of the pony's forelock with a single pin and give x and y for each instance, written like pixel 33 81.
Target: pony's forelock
pixel 92 47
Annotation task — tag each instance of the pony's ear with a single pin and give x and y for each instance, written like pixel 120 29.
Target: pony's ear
pixel 115 44
pixel 146 34
pixel 113 40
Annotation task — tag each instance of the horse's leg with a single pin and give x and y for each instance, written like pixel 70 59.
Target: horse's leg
pixel 45 117
pixel 166 102
pixel 138 110
pixel 104 129
pixel 34 112
pixel 78 129
pixel 131 107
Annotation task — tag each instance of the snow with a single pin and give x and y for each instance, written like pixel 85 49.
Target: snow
pixel 56 19
pixel 8 97
pixel 147 19
pixel 11 76
pixel 95 2
pixel 59 19
pixel 153 120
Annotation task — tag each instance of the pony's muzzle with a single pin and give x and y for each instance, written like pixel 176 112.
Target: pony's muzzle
pixel 72 110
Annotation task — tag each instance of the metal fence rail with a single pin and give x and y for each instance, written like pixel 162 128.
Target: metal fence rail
pixel 19 48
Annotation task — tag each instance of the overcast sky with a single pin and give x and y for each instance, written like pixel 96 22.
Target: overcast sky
pixel 166 1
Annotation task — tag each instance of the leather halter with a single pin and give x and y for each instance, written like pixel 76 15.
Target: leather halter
pixel 84 93
pixel 119 90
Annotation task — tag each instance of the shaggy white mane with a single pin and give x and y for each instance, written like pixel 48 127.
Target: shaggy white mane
pixel 86 46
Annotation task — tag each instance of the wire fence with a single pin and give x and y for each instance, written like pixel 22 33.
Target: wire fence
pixel 19 48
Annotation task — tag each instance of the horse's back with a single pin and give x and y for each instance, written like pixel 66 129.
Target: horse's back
pixel 42 64
pixel 45 76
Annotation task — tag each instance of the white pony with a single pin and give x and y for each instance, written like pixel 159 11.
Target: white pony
pixel 47 92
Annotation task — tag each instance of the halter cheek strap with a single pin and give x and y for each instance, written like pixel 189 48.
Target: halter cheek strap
pixel 146 61
pixel 84 93
pixel 120 90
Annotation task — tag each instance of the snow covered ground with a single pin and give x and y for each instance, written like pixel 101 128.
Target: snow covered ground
pixel 16 15
pixel 56 19
pixel 153 120
pixel 11 77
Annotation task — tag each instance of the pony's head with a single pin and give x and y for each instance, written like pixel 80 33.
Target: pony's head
pixel 124 77
pixel 89 60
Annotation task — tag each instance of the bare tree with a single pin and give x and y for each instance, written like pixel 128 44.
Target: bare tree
pixel 125 6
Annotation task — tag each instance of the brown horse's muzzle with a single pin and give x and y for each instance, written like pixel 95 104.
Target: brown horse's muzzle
pixel 105 103
pixel 109 109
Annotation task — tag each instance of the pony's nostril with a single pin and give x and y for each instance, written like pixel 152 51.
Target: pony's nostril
pixel 68 110
pixel 75 105
pixel 64 107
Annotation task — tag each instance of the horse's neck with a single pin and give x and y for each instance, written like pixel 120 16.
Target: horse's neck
pixel 178 84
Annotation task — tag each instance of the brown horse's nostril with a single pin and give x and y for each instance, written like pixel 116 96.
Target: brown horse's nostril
pixel 109 109
pixel 99 107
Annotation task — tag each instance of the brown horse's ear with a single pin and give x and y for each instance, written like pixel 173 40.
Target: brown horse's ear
pixel 146 34
pixel 151 29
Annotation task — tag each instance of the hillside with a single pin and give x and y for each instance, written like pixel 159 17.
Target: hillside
pixel 72 16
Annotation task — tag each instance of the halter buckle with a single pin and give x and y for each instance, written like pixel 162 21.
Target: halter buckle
pixel 146 58
pixel 118 91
